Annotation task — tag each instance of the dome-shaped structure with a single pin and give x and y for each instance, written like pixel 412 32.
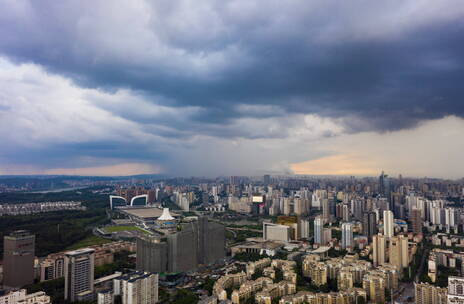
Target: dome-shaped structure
pixel 166 216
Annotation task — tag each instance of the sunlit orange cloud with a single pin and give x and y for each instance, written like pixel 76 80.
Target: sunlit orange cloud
pixel 341 164
pixel 113 170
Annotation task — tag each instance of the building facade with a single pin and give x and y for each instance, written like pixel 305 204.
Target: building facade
pixel 137 288
pixel 379 246
pixel 388 224
pixel 455 290
pixel 425 293
pixel 399 254
pixel 79 275
pixel 18 259
pixel 196 243
pixel 369 224
pixel 21 297
pixel 347 235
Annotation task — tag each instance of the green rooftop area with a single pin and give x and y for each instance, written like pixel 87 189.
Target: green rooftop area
pixel 88 241
pixel 110 229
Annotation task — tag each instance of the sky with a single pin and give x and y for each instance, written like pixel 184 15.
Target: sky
pixel 240 87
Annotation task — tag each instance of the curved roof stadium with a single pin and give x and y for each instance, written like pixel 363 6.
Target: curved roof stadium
pixel 139 200
pixel 116 201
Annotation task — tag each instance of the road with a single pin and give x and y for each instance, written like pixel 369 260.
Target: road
pixel 244 229
pixel 421 267
pixel 406 290
pixel 232 231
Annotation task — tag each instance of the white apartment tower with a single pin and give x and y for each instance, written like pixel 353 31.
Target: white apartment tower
pixel 347 235
pixel 388 224
pixel 137 288
pixel 318 231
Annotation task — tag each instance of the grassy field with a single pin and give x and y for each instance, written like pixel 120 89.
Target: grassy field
pixel 123 228
pixel 88 241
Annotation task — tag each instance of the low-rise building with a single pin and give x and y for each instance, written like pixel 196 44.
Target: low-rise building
pixel 352 296
pixel 269 248
pixel 228 281
pixel 105 297
pixel 248 288
pixel 252 267
pixel 22 297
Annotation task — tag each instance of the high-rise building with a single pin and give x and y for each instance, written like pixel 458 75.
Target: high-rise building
pixel 197 242
pixel 152 254
pixel 183 249
pixel 416 220
pixel 52 267
pixel 398 250
pixel 79 275
pixel 450 217
pixel 369 224
pixel 303 228
pixel 425 293
pixel 276 232
pixel 379 245
pixel 267 179
pixel 318 272
pixel 388 224
pixel 346 213
pixel 326 235
pixel 318 231
pixel 345 280
pixel 300 206
pixel 326 209
pixel 211 241
pixel 357 209
pixel 18 259
pixel 347 235
pixel 385 188
pixel 339 210
pixel 137 288
pixel 374 285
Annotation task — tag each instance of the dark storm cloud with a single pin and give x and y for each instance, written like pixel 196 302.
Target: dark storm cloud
pixel 307 65
pixel 176 78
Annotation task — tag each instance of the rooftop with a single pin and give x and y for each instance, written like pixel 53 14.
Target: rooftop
pixel 145 212
pixel 80 251
pixel 261 245
pixel 322 249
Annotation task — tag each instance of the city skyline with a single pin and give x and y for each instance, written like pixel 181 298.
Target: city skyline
pixel 231 152
pixel 244 88
pixel 234 239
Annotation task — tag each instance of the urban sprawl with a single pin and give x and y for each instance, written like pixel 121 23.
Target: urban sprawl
pixel 263 240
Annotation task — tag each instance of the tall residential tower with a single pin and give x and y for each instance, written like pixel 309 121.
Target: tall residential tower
pixel 78 275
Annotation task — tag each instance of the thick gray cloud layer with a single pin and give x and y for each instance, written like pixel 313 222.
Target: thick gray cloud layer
pixel 178 71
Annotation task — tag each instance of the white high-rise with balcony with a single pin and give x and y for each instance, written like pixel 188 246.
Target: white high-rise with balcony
pixel 388 223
